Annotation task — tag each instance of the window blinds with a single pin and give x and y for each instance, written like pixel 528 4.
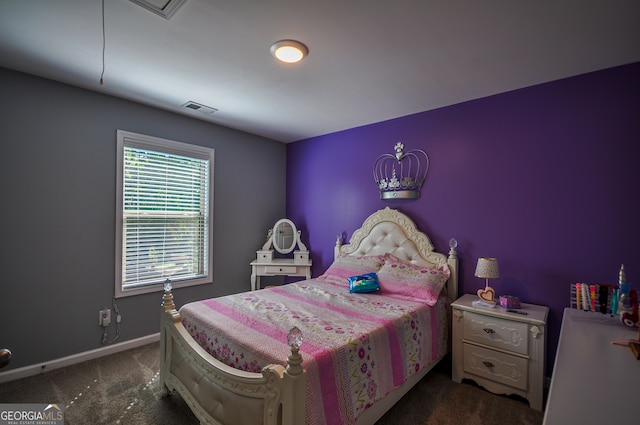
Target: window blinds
pixel 165 217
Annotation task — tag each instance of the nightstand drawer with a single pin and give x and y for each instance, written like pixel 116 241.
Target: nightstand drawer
pixel 495 332
pixel 499 367
pixel 280 269
pixel 265 255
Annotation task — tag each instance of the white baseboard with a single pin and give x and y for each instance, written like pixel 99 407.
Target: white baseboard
pixel 26 371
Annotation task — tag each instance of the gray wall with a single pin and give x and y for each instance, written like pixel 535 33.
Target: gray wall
pixel 57 181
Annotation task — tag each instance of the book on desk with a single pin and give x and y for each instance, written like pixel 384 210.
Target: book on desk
pixel 595 297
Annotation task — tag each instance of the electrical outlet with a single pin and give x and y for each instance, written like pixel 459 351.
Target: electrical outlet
pixel 105 317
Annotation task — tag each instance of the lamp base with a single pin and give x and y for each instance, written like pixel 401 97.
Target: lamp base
pixel 487 294
pixel 483 303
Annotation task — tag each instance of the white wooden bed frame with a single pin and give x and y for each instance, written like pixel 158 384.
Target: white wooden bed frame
pixel 221 395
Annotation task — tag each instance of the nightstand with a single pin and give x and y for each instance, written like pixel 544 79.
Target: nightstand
pixel 501 351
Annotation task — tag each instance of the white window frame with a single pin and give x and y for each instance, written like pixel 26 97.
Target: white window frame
pixel 128 139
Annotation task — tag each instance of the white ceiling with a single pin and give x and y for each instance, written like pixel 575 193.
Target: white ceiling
pixel 369 61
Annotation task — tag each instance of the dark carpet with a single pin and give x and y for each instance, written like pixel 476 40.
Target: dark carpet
pixel 123 388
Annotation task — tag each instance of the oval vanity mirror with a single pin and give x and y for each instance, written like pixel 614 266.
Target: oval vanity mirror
pixel 284 236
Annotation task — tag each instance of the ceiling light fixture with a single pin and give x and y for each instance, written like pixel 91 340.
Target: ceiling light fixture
pixel 289 51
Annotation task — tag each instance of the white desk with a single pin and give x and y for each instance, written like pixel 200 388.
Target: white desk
pixel 278 267
pixel 593 382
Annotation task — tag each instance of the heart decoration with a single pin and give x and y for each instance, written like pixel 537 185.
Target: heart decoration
pixel 487 294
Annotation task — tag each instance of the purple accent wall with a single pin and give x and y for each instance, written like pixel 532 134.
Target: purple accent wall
pixel 544 178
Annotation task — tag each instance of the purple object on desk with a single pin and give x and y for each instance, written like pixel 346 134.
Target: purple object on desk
pixel 510 302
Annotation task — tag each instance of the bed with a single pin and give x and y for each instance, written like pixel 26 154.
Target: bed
pixel 332 355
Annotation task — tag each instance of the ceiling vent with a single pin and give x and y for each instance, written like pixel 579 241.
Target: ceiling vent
pixel 200 108
pixel 164 8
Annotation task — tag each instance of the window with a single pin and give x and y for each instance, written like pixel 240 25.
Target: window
pixel 163 214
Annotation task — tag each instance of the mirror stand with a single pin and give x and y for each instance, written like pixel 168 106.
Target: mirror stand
pixel 284 237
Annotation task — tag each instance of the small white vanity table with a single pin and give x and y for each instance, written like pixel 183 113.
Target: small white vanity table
pixel 283 237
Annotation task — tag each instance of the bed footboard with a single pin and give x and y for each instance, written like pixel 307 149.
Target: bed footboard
pixel 221 395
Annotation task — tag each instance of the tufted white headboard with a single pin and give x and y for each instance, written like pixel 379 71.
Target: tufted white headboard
pixel 390 231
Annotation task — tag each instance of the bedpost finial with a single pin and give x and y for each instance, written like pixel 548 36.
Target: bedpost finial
pixel 294 338
pixel 453 244
pixel 294 361
pixel 167 285
pixel 167 298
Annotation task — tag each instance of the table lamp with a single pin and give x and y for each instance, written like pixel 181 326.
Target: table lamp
pixel 487 268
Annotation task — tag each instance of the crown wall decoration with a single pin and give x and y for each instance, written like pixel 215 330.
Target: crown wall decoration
pixel 401 175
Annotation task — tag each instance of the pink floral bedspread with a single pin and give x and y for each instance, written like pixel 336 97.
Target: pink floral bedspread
pixel 356 348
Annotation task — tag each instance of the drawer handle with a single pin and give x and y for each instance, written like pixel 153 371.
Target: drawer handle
pixel 488 364
pixel 489 330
